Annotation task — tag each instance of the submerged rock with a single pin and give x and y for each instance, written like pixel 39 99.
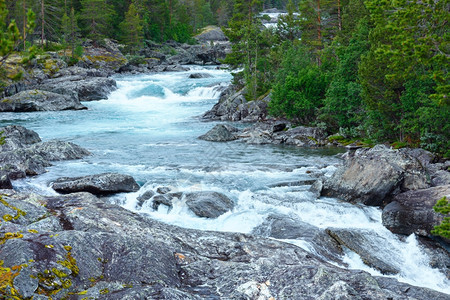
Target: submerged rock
pixel 220 133
pixel 200 75
pixel 208 204
pixel 100 184
pixel 412 211
pixel 38 100
pixel 109 252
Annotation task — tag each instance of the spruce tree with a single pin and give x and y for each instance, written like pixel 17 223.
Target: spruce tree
pixel 96 15
pixel 132 28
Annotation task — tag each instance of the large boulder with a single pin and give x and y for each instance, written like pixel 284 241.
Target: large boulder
pixel 287 227
pixel 5 181
pixel 208 204
pixel 412 211
pixel 16 137
pixel 211 33
pixel 103 251
pixel 38 100
pixel 233 106
pixel 370 246
pixel 99 184
pixel 56 150
pixel 373 176
pixel 80 88
pixel 23 154
pixel 220 133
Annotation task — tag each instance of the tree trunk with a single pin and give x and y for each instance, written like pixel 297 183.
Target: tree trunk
pixel 339 15
pixel 24 7
pixel 42 23
pixel 319 32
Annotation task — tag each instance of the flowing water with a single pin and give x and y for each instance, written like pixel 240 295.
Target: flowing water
pixel 148 128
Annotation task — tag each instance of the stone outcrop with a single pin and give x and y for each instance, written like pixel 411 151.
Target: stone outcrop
pixel 80 88
pixel 24 154
pixel 232 106
pixel 39 100
pixel 373 176
pixel 99 184
pixel 220 133
pixel 208 204
pixel 412 211
pixel 79 244
pixel 211 34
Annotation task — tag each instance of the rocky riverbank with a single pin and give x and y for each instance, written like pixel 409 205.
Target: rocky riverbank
pixel 50 84
pixel 79 245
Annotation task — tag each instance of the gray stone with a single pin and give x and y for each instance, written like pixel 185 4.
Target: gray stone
pixel 17 137
pixel 200 75
pixel 161 199
pixel 368 245
pixel 5 181
pixel 287 227
pixel 119 254
pixel 412 211
pixel 100 184
pixel 372 176
pixel 80 88
pixel 208 204
pixel 56 150
pixel 38 100
pixel 220 133
pixel 211 33
pixel 144 197
pixel 163 190
pixel 24 154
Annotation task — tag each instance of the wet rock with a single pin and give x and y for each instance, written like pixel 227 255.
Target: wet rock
pixel 220 133
pixel 287 227
pixel 38 100
pixel 200 75
pixel 56 150
pixel 369 246
pixel 144 197
pixel 24 154
pixel 227 105
pixel 412 211
pixel 81 88
pixel 17 137
pixel 100 184
pixel 373 176
pixel 208 204
pixel 163 190
pixel 175 68
pixel 5 181
pixel 161 199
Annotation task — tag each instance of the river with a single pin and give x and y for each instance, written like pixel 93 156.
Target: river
pixel 148 128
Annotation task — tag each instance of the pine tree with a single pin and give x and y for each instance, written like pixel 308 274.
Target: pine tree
pixel 132 27
pixel 95 15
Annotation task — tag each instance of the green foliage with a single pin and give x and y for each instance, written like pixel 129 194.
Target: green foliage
pixel 343 106
pixel 443 206
pixel 132 27
pixel 96 16
pixel 2 138
pixel 299 96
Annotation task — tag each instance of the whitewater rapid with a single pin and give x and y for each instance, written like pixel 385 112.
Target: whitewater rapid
pixel 148 128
